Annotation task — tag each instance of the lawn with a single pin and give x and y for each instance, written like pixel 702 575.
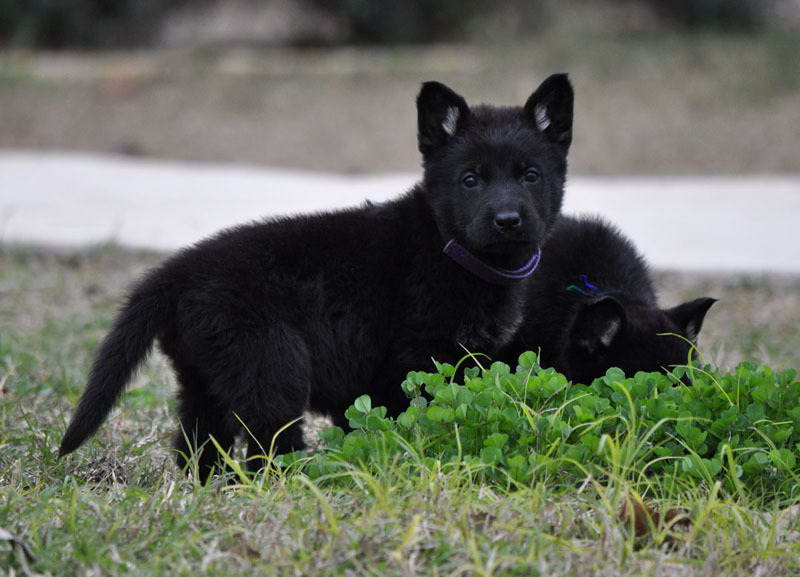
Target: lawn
pixel 119 506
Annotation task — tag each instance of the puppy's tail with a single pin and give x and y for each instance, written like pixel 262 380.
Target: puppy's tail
pixel 149 308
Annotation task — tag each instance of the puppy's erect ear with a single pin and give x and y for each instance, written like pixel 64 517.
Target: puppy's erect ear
pixel 440 114
pixel 550 109
pixel 690 315
pixel 597 325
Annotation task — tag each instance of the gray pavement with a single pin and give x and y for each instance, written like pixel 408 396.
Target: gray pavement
pixel 726 223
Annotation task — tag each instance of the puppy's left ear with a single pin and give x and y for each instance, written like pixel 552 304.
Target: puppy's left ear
pixel 690 315
pixel 440 114
pixel 550 109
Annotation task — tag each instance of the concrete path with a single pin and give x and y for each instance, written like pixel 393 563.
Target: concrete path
pixel 705 223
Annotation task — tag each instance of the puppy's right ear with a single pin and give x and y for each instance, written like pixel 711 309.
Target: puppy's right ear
pixel 689 316
pixel 440 114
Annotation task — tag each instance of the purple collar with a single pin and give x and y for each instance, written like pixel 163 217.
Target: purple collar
pixel 487 272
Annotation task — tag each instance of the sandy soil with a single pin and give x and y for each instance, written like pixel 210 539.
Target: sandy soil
pixel 644 106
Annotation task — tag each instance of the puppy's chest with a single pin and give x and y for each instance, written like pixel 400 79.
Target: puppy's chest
pixel 480 320
pixel 492 326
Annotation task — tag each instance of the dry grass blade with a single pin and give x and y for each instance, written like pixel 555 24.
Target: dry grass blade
pixel 22 551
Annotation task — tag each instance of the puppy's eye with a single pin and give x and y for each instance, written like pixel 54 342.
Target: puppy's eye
pixel 531 175
pixel 469 180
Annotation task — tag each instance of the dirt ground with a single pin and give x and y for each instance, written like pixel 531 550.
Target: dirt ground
pixel 663 105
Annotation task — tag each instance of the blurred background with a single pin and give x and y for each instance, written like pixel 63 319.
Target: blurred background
pixel 664 87
pixel 122 117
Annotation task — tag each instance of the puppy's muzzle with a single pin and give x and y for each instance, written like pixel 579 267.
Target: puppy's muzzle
pixel 507 221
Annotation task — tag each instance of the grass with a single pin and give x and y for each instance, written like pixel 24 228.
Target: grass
pixel 119 506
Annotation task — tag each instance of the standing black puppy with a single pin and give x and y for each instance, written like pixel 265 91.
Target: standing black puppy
pixel 592 306
pixel 264 321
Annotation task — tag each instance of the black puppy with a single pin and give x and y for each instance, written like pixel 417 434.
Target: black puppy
pixel 264 321
pixel 592 306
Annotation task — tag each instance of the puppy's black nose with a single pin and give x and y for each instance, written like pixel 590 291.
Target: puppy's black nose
pixel 507 221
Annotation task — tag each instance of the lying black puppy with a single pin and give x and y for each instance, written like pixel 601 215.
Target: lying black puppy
pixel 265 321
pixel 591 306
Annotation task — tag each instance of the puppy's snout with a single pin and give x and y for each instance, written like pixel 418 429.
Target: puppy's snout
pixel 507 221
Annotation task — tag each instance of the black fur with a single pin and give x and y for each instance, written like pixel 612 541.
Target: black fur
pixel 583 335
pixel 264 321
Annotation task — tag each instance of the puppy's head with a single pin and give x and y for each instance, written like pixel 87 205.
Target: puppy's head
pixel 495 176
pixel 605 333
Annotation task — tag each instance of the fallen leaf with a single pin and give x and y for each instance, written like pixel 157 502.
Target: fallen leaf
pixel 644 517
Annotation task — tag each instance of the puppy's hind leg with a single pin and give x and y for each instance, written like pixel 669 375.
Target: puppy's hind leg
pixel 200 418
pixel 273 383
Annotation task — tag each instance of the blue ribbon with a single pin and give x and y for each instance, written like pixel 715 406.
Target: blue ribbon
pixel 589 289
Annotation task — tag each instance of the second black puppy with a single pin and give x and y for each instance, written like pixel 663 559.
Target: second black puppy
pixel 592 306
pixel 265 321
